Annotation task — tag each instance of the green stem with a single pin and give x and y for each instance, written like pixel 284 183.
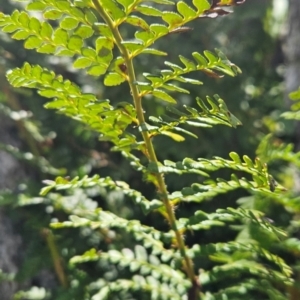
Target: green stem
pixel 149 145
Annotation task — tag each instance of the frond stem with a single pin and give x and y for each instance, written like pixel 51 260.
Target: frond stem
pixel 188 265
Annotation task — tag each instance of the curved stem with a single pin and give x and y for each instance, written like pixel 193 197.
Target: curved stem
pixel 188 265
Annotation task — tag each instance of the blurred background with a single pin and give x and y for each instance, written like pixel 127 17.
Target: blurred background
pixel 262 37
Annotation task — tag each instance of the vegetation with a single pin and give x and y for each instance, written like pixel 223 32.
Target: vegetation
pixel 149 215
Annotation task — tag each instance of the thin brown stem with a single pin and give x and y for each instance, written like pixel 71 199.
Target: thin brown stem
pixel 55 257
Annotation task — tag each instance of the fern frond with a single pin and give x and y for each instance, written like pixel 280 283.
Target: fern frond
pixel 200 192
pixel 219 251
pixel 210 188
pixel 208 63
pixel 255 217
pixel 149 34
pixel 54 10
pixel 243 266
pixel 69 100
pixel 148 284
pixel 245 165
pixel 174 20
pixel 287 199
pixel 137 261
pixel 201 220
pixel 206 117
pixel 147 37
pixel 64 184
pixel 243 289
pixel 188 165
pixel 66 40
pixel 148 236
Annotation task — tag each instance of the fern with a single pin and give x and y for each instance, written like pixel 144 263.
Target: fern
pixel 162 263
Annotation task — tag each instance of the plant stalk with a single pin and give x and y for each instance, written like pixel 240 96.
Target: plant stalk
pixel 55 257
pixel 188 265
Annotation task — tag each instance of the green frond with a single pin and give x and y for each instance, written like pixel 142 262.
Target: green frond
pixel 247 165
pixel 241 267
pixel 201 221
pixel 216 114
pixel 174 20
pixel 201 192
pixel 66 40
pixel 286 199
pixel 255 217
pixel 247 249
pixel 210 188
pixel 198 192
pixel 147 284
pixel 223 253
pixel 70 101
pixel 148 236
pixel 184 15
pixel 137 261
pixel 209 63
pixel 53 10
pixel 86 182
pixel 243 289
